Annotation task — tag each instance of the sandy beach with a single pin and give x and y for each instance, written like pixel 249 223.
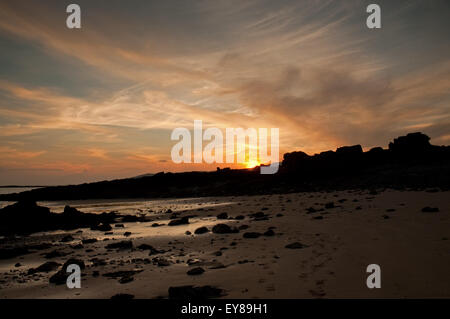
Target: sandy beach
pixel 340 234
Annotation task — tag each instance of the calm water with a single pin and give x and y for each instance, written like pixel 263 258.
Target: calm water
pixel 10 190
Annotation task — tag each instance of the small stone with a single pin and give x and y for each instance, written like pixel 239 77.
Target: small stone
pixel 430 209
pixel 295 245
pixel 222 216
pixel 251 235
pixel 195 271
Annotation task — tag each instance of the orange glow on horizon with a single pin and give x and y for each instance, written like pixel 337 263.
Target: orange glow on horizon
pixel 252 164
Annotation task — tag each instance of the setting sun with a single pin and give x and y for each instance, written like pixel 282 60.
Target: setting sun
pixel 252 163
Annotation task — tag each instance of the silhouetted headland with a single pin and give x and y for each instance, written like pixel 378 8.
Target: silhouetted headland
pixel 409 161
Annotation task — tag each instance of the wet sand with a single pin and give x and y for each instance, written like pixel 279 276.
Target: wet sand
pixel 386 228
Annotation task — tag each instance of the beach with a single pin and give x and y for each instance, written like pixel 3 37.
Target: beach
pixel 295 245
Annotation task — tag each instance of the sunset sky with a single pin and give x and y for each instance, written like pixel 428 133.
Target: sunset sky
pixel 101 102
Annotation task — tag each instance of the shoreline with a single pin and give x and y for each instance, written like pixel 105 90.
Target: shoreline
pixel 411 247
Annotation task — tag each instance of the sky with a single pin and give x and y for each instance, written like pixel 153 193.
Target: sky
pixel 100 102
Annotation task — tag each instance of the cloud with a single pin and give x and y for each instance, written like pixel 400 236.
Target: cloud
pixel 310 68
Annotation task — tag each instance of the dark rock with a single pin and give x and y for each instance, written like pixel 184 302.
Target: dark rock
pixel 75 261
pixel 195 271
pixel 295 245
pixel 187 232
pixel 223 229
pixel 411 143
pixel 131 219
pixel 350 151
pixel 45 267
pixel 318 217
pixel 59 278
pixel 89 240
pixel 67 238
pixel 161 262
pixel 430 209
pixel 125 280
pixel 258 215
pixel 157 225
pixel 145 247
pixel 222 216
pixel 54 254
pixel 102 227
pixel 239 217
pixel 251 235
pixel 329 205
pixel 126 244
pixel 126 234
pixel 119 226
pixel 181 221
pixel 201 230
pixel 269 233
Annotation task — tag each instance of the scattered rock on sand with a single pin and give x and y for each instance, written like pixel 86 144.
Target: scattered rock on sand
pixel 161 262
pixel 157 225
pixel 224 229
pixel 89 240
pixel 295 245
pixel 269 233
pixel 76 261
pixel 180 221
pixel 102 227
pixel 251 235
pixel 67 238
pixel 329 205
pixel 222 216
pixel 125 280
pixel 201 230
pixel 54 254
pixel 45 267
pixel 126 244
pixel 60 277
pixel 191 292
pixel 195 271
pixel 430 209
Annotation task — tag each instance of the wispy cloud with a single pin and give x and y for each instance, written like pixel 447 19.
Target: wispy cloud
pixel 310 68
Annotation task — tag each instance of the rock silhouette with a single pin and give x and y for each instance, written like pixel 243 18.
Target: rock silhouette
pixel 409 161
